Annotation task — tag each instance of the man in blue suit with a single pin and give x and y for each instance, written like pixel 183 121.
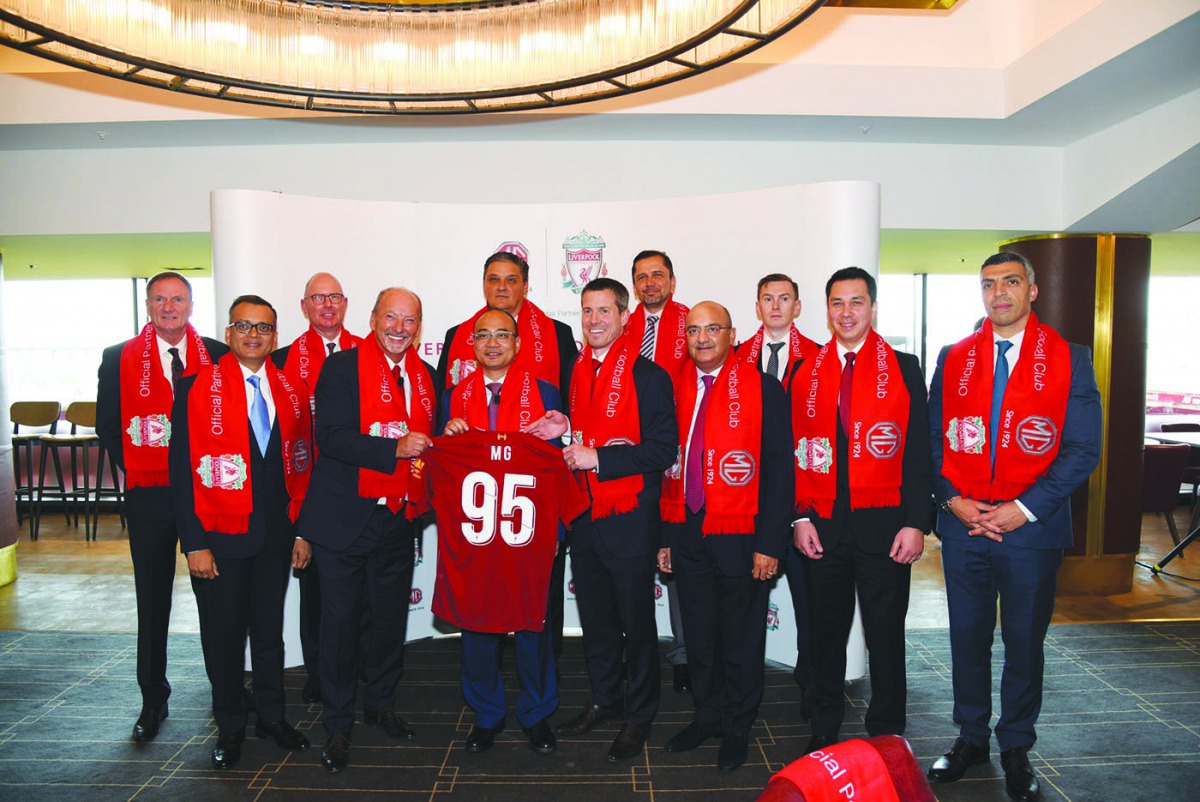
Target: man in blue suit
pixel 1015 419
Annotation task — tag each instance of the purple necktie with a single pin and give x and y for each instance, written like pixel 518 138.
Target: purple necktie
pixel 844 394
pixel 494 405
pixel 694 478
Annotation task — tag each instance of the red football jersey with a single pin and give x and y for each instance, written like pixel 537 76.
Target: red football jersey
pixel 498 497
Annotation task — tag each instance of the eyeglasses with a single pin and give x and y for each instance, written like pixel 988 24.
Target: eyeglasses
pixel 245 326
pixel 334 298
pixel 501 336
pixel 712 330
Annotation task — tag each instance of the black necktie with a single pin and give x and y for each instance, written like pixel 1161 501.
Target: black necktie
pixel 329 347
pixel 844 394
pixel 773 362
pixel 176 367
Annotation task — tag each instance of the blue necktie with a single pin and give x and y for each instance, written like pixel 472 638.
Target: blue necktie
pixel 998 385
pixel 260 420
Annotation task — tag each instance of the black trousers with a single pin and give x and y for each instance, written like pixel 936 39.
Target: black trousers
pixel 616 609
pixel 725 621
pixel 247 594
pixel 372 577
pixel 154 548
pixel 882 588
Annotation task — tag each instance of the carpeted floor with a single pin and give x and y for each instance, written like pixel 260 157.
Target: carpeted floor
pixel 1121 722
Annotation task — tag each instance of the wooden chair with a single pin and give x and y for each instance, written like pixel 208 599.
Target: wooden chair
pixel 1162 469
pixel 82 437
pixel 42 418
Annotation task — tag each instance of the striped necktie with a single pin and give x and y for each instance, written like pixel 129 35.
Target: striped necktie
pixel 648 337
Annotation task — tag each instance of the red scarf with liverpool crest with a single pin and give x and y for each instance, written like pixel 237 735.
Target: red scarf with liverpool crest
pixel 604 411
pixel 670 342
pixel 146 398
pixel 732 449
pixel 220 444
pixel 383 413
pixel 538 354
pixel 1031 417
pixel 879 406
pixel 520 401
pixel 307 355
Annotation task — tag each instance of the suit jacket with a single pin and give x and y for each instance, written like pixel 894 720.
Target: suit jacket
pixel 567 351
pixel 269 522
pixel 874 529
pixel 638 532
pixel 149 502
pixel 734 554
pixel 1049 497
pixel 334 514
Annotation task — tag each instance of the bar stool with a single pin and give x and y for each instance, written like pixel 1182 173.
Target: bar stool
pixel 39 415
pixel 81 415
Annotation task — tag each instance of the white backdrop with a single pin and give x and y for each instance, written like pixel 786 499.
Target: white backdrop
pixel 270 243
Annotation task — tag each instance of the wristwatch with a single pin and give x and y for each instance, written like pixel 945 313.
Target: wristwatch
pixel 945 505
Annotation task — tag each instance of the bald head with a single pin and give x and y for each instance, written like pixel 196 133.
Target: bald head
pixel 710 335
pixel 324 305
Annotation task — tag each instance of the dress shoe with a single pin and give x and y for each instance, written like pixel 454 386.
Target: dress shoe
pixel 284 734
pixel 335 756
pixel 481 739
pixel 1019 780
pixel 228 750
pixel 392 724
pixel 630 742
pixel 311 692
pixel 146 726
pixel 682 678
pixel 541 737
pixel 954 764
pixel 587 720
pixel 691 737
pixel 805 704
pixel 732 753
pixel 818 742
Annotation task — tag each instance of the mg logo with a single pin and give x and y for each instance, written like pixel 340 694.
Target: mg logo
pixel 657 591
pixel 416 596
pixel 883 440
pixel 1036 435
pixel 737 468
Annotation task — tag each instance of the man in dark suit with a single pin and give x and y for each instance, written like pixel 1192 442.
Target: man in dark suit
pixel 1016 425
pixel 862 407
pixel 324 307
pixel 133 409
pixel 623 419
pixel 237 423
pixel 549 354
pixel 375 412
pixel 727 501
pixel 491 399
pixel 779 349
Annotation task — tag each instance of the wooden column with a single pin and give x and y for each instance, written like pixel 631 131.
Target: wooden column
pixel 1094 290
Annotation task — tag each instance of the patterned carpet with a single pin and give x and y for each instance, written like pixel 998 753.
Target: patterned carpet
pixel 1121 722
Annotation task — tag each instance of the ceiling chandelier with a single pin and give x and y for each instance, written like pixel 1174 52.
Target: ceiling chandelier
pixel 398 57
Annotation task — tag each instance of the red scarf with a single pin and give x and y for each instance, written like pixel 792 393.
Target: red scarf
pixel 854 769
pixel 221 442
pixel 879 403
pixel 146 398
pixel 381 413
pixel 670 342
pixel 800 347
pixel 604 411
pixel 732 449
pixel 307 355
pixel 1031 417
pixel 519 406
pixel 538 354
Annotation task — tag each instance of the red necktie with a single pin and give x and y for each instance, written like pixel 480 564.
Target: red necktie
pixel 399 384
pixel 844 394
pixel 693 480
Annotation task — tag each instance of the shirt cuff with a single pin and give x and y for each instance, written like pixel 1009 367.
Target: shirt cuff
pixel 1029 516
